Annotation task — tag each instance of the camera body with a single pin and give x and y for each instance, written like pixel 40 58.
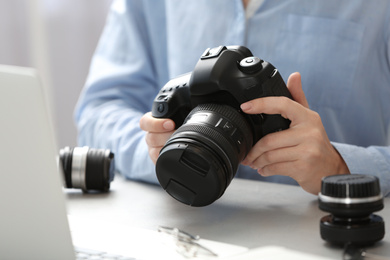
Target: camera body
pixel 199 160
pixel 225 75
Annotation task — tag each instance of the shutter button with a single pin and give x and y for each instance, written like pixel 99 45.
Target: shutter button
pixel 251 65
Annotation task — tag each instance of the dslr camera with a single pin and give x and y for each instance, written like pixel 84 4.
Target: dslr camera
pixel 213 135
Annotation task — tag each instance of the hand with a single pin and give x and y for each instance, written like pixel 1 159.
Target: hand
pixel 303 151
pixel 158 131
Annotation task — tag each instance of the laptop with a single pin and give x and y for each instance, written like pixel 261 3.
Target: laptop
pixel 33 223
pixel 33 220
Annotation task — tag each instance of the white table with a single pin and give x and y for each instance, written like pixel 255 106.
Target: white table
pixel 250 214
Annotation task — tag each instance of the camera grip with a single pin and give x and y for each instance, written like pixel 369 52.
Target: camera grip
pixel 173 101
pixel 275 86
pixel 274 123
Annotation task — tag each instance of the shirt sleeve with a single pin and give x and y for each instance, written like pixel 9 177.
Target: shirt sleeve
pixel 119 89
pixel 373 160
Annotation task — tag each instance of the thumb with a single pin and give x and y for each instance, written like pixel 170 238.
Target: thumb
pixel 294 85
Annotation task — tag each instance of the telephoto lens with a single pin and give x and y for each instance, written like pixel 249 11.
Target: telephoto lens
pixel 87 168
pixel 351 199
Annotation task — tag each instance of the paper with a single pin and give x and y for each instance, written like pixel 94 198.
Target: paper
pixel 137 242
pixel 149 244
pixel 276 253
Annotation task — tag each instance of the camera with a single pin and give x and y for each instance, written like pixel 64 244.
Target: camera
pixel 86 168
pixel 351 199
pixel 213 135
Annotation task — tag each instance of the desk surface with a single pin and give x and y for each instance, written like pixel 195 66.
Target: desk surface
pixel 250 214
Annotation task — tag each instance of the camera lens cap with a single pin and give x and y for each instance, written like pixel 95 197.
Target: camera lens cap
pixel 350 185
pixel 350 194
pixel 251 65
pixel 190 174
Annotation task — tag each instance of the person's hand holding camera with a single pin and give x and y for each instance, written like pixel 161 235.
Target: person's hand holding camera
pixel 157 131
pixel 303 151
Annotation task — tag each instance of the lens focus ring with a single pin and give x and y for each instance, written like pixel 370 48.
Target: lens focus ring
pixel 243 136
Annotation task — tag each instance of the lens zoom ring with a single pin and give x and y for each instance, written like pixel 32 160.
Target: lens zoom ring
pixel 227 111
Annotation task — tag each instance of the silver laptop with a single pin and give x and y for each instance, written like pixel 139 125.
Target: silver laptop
pixel 33 215
pixel 33 220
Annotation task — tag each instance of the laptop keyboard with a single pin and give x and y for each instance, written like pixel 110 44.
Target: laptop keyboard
pixel 84 254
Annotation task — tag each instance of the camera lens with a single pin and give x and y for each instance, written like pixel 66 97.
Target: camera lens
pixel 201 158
pixel 87 168
pixel 351 199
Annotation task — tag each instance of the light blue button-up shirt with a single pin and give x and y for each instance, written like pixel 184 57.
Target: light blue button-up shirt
pixel 340 47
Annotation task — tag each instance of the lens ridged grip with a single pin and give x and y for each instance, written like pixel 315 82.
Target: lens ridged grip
pixel 350 186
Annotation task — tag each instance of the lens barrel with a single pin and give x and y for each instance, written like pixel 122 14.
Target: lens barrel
pixel 198 162
pixel 87 168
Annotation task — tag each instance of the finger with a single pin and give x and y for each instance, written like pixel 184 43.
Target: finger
pixel 283 106
pixel 287 154
pixel 274 141
pixel 154 153
pixel 294 85
pixel 276 169
pixel 312 184
pixel 151 124
pixel 157 139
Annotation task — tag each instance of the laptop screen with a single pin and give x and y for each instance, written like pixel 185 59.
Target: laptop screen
pixel 33 214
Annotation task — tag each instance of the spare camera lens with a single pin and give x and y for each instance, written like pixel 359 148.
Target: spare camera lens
pixel 87 168
pixel 351 199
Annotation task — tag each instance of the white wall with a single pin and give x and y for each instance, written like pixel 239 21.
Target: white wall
pixel 58 38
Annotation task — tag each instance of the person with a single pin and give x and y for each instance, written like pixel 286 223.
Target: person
pixel 334 56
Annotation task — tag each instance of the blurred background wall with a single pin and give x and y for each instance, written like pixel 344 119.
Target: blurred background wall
pixel 58 37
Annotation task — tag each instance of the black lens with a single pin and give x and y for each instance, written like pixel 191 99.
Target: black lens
pixel 87 168
pixel 201 158
pixel 351 199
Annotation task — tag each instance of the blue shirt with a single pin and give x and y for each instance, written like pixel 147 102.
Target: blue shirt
pixel 340 47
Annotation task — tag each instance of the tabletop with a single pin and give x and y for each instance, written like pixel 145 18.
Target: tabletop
pixel 250 214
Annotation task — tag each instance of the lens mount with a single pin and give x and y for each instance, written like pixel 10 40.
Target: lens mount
pixel 329 199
